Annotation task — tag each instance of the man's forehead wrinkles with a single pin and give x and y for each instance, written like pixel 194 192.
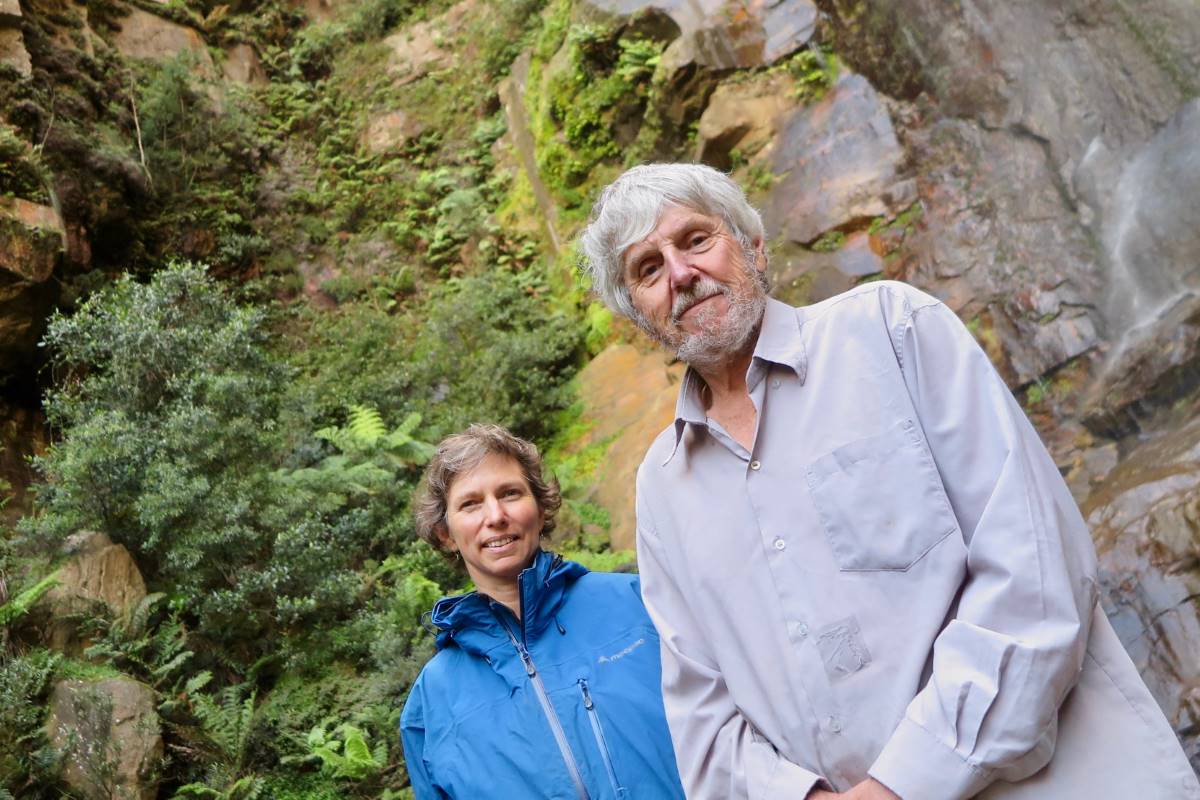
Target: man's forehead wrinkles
pixel 650 243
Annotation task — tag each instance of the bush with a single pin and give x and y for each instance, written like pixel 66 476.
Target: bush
pixel 168 412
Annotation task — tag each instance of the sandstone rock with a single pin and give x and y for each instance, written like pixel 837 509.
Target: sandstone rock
pixel 98 573
pixel 242 65
pixel 148 36
pixel 10 13
pixel 111 738
pixel 838 159
pixel 744 116
pixel 390 131
pixel 13 53
pixel 729 34
pixel 1145 518
pixel 629 395
pixel 31 238
pixel 418 49
pixel 800 276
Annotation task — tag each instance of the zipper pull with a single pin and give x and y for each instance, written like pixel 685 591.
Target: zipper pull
pixel 587 696
pixel 530 670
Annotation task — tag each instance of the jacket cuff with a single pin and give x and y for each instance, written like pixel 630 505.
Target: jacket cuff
pixel 916 765
pixel 791 782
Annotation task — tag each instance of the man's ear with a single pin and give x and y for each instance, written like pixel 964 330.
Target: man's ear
pixel 760 254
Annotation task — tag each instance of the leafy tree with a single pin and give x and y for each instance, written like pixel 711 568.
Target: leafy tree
pixel 168 411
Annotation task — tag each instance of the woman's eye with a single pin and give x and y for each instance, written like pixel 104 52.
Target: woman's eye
pixel 467 505
pixel 513 493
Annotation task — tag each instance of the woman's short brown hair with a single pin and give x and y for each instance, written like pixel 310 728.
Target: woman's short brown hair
pixel 463 452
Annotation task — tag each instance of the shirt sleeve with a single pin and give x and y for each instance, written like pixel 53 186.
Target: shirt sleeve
pixel 412 738
pixel 718 752
pixel 1015 644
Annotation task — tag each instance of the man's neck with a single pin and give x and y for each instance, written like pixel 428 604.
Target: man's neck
pixel 727 400
pixel 726 381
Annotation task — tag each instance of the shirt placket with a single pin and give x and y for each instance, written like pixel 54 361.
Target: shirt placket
pixel 767 479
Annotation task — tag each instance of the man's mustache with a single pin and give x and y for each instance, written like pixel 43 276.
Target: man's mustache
pixel 699 291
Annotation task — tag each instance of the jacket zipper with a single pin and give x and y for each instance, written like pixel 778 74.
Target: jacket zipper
pixel 601 742
pixel 539 689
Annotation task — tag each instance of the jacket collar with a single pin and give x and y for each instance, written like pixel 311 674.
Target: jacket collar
pixel 469 621
pixel 779 342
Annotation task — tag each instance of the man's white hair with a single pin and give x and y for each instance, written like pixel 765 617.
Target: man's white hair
pixel 630 207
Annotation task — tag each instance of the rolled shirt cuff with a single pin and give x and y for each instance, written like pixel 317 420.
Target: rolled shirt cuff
pixel 791 782
pixel 916 765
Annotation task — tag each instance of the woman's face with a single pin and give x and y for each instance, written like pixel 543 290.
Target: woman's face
pixel 493 521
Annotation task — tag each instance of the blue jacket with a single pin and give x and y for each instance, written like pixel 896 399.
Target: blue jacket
pixel 565 703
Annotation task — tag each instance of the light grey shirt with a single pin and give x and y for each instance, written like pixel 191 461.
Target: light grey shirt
pixel 893 581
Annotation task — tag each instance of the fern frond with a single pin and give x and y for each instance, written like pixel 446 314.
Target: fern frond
pixel 20 605
pixel 366 425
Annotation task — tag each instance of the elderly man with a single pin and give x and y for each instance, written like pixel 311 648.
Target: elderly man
pixel 869 578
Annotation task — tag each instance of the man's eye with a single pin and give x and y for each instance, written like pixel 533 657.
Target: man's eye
pixel 697 239
pixel 647 270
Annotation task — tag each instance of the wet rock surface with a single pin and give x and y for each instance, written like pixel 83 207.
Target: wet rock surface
pixel 110 736
pixel 838 163
pixel 728 34
pixel 1145 518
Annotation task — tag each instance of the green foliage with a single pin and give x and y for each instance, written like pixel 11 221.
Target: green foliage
pixel 170 445
pixel 24 683
pixel 343 753
pixel 486 347
pixel 815 70
pixel 370 460
pixel 578 109
pixel 829 242
pixel 22 173
pixel 20 605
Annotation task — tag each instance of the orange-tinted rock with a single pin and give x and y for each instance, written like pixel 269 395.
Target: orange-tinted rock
pixel 31 237
pixel 629 395
pixel 13 52
pixel 388 132
pixel 99 574
pixel 742 116
pixel 242 65
pixel 148 36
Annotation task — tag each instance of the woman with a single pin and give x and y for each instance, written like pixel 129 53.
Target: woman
pixel 546 680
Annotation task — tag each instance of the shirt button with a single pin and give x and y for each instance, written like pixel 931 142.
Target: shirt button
pixel 835 725
pixel 775 383
pixel 755 465
pixel 780 544
pixel 799 630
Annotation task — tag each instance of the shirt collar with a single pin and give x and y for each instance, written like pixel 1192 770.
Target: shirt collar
pixel 779 342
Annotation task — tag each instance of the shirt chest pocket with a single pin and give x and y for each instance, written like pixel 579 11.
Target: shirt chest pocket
pixel 880 500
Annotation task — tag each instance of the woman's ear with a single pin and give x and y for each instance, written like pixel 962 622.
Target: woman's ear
pixel 444 538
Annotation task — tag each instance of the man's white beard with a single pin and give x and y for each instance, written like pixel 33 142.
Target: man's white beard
pixel 719 337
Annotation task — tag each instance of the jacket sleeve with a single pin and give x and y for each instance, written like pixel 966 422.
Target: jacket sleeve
pixel 719 753
pixel 412 737
pixel 1014 646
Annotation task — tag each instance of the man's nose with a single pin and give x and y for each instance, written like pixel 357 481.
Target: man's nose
pixel 679 269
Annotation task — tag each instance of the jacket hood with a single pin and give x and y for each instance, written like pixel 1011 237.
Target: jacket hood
pixel 467 620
